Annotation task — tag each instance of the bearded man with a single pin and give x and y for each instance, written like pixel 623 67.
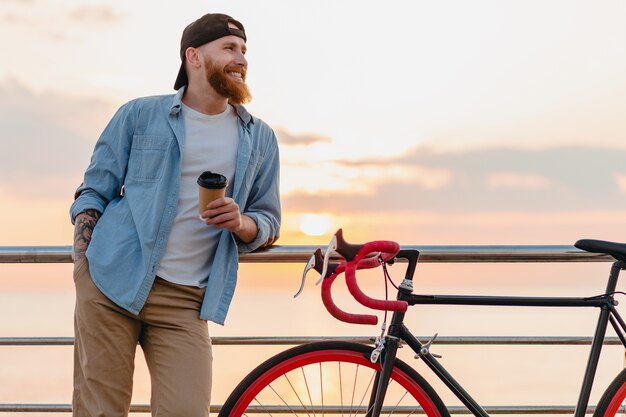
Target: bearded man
pixel 149 269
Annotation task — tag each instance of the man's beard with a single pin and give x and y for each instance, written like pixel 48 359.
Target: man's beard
pixel 236 92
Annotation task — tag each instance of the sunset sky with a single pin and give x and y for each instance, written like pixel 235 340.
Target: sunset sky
pixel 447 122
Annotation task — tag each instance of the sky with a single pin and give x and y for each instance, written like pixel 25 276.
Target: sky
pixel 446 122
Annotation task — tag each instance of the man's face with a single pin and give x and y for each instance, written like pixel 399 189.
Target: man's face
pixel 226 66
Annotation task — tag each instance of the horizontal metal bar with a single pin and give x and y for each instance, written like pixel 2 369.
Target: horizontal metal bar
pixel 301 253
pixel 35 254
pixel 269 341
pixel 144 408
pixel 407 410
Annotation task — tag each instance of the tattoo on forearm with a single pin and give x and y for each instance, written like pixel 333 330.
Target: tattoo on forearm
pixel 83 228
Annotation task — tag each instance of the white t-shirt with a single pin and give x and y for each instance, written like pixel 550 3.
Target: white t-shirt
pixel 211 143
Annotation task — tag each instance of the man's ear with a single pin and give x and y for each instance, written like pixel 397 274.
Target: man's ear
pixel 193 58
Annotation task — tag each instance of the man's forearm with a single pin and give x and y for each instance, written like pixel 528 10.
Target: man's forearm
pixel 83 229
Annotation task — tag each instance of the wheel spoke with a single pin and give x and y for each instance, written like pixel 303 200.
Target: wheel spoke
pixel 306 383
pixel 265 409
pixel 367 389
pixel 356 374
pixel 283 400
pixel 340 388
pixel 397 404
pixel 297 395
pixel 321 387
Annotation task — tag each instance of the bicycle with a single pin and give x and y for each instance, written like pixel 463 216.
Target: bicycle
pixel 344 378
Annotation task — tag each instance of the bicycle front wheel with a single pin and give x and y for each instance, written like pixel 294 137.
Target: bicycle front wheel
pixel 613 401
pixel 329 379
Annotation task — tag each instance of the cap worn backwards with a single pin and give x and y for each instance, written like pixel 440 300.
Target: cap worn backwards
pixel 208 28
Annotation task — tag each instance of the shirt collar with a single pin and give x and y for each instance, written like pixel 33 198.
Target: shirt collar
pixel 241 111
pixel 177 101
pixel 243 114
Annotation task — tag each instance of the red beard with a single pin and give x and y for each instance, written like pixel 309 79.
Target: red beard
pixel 237 92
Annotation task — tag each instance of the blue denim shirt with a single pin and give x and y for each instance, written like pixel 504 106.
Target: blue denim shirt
pixel 133 180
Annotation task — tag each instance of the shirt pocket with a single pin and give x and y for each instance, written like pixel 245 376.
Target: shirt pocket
pixel 147 157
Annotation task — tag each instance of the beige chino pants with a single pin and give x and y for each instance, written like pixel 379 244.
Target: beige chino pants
pixel 174 340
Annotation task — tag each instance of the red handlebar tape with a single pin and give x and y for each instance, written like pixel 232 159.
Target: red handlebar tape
pixel 387 251
pixel 339 314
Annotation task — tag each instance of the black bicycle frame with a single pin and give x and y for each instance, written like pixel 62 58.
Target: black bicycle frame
pixel 398 331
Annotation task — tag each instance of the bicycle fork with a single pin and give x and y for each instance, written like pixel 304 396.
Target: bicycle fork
pixel 381 381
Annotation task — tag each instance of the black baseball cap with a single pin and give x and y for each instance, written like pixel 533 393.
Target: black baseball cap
pixel 208 28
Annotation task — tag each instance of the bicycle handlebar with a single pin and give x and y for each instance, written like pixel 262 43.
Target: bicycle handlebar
pixel 357 257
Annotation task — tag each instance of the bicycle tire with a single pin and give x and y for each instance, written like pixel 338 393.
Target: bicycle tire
pixel 316 385
pixel 613 400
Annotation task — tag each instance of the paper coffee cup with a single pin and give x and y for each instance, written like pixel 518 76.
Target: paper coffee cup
pixel 211 187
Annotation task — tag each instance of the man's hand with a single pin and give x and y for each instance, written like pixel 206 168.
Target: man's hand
pixel 83 228
pixel 225 214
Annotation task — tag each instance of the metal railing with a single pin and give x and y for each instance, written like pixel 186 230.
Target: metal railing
pixel 300 254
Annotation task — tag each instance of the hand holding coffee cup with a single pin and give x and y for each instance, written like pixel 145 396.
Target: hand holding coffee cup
pixel 211 187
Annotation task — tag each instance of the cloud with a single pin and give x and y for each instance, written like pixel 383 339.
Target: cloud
pixel 14 18
pixel 47 139
pixel 48 19
pixel 495 179
pixel 377 175
pixel 358 180
pixel 100 14
pixel 620 179
pixel 305 139
pixel 518 181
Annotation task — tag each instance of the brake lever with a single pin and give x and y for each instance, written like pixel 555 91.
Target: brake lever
pixel 310 265
pixel 332 246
